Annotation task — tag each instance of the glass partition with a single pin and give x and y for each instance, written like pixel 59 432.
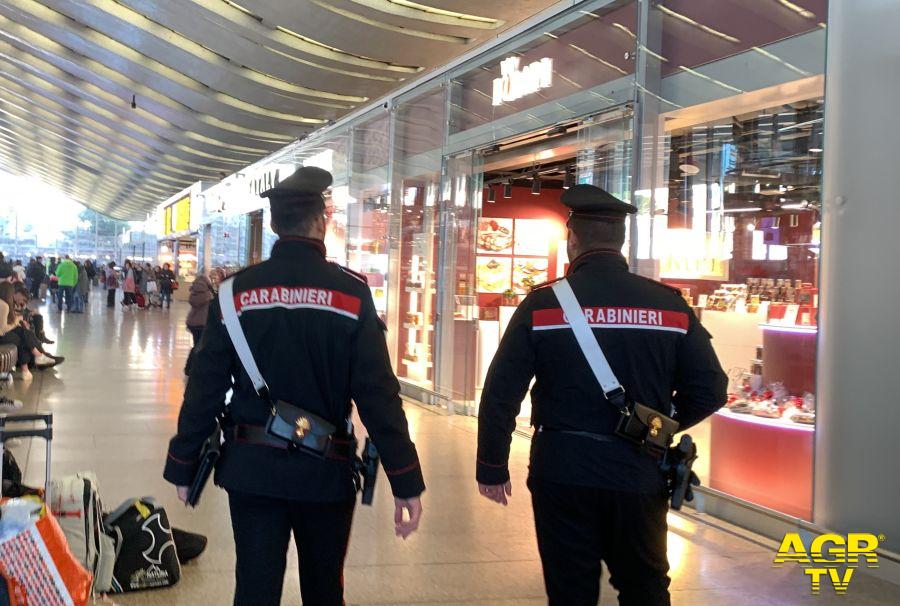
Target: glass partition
pixel 367 202
pixel 420 125
pixel 457 321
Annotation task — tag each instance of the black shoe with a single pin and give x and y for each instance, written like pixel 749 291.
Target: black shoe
pixel 59 359
pixel 43 339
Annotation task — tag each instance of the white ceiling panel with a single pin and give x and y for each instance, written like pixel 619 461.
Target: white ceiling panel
pixel 122 103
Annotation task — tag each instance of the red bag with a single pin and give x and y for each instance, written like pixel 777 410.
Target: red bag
pixel 41 570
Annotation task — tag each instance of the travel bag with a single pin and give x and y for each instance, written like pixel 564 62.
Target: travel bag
pixel 36 565
pixel 76 504
pixel 146 556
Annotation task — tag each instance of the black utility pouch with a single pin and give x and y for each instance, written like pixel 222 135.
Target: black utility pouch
pixel 300 428
pixel 647 427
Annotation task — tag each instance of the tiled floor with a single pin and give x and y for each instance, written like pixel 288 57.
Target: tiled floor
pixel 116 401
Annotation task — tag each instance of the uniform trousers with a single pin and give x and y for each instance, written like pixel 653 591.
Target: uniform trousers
pixel 580 526
pixel 262 530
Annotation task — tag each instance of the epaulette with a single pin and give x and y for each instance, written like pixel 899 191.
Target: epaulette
pixel 546 284
pixel 361 277
pixel 672 289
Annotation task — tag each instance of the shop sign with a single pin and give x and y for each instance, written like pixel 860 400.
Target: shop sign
pixel 265 181
pixel 515 83
pixel 177 216
pixel 831 558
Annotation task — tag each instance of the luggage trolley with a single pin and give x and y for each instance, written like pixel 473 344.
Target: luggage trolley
pixel 45 432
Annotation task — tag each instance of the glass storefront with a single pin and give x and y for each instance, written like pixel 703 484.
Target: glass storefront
pixel 729 191
pixel 707 115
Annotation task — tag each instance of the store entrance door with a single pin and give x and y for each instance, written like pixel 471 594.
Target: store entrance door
pixel 503 231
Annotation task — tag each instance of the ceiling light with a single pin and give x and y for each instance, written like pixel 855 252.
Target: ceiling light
pixel 536 185
pixel 816 150
pixel 569 179
pixel 492 196
pixel 689 169
pixel 751 226
pixel 507 189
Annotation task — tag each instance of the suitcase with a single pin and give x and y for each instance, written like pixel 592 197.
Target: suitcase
pixel 140 300
pixel 45 432
pixel 8 357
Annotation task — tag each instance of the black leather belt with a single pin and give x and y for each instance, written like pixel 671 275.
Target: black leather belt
pixel 338 448
pixel 599 437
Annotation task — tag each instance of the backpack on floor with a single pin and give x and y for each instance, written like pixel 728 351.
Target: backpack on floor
pixel 75 501
pixel 12 479
pixel 146 556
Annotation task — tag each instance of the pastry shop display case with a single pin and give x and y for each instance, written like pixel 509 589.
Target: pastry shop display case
pixel 761 442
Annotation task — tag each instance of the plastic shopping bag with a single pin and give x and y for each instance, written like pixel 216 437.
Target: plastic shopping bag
pixel 39 567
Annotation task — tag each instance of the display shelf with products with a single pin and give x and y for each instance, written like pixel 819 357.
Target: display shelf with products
pixel 417 305
pixel 367 257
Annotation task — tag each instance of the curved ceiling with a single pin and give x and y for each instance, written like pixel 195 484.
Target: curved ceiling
pixel 122 103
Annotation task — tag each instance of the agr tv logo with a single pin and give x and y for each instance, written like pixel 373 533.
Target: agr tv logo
pixel 831 557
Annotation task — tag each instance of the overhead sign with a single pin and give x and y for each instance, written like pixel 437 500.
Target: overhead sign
pixel 265 181
pixel 177 216
pixel 515 83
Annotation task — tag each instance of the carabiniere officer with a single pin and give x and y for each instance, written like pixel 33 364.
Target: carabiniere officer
pixel 596 497
pixel 319 343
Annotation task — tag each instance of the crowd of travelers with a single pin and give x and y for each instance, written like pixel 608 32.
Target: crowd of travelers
pixel 66 284
pixel 143 286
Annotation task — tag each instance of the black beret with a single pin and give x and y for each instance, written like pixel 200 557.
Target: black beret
pixel 592 202
pixel 306 181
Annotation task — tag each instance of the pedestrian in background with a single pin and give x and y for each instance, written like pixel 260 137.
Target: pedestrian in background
pixel 112 283
pixel 129 285
pixel 19 271
pixel 36 273
pixel 53 280
pixel 67 275
pixel 91 268
pixel 165 279
pixel 201 294
pixel 82 289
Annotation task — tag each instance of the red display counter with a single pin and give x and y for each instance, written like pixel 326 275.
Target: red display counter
pixel 768 462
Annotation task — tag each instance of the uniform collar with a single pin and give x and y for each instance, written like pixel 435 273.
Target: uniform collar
pixel 291 246
pixel 603 258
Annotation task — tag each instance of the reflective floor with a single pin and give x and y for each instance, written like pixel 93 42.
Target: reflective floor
pixel 116 402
